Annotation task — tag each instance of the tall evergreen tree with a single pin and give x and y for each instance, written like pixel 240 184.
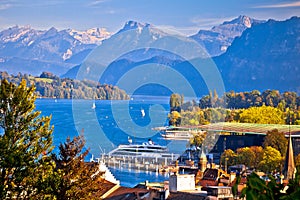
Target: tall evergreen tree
pixel 25 141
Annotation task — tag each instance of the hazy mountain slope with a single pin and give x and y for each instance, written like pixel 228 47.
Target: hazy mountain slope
pixel 264 57
pixel 51 50
pixel 219 38
pixel 137 42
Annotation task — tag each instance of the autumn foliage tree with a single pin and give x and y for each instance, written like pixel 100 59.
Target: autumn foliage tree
pixel 74 178
pixel 262 115
pixel 258 155
pixel 245 156
pixel 174 118
pixel 229 156
pixel 271 160
pixel 276 140
pixel 176 102
pixel 197 139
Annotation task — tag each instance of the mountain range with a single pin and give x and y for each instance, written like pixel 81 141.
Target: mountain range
pixel 34 51
pixel 219 38
pixel 26 50
pixel 266 56
pixel 249 53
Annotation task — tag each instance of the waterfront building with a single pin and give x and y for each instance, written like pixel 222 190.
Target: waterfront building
pixel 220 192
pixel 232 136
pixel 181 182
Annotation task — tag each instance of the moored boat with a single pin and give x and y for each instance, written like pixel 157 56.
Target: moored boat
pixel 146 150
pixel 179 133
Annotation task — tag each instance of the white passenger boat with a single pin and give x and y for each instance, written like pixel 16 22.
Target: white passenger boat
pixel 179 133
pixel 146 150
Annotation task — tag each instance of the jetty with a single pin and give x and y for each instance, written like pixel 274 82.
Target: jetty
pixel 143 164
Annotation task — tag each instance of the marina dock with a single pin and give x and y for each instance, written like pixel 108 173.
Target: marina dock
pixel 144 164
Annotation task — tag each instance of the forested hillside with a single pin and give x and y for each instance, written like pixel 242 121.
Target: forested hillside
pixel 268 107
pixel 253 98
pixel 51 86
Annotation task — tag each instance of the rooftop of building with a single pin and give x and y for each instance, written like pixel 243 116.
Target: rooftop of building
pixel 187 195
pixel 247 128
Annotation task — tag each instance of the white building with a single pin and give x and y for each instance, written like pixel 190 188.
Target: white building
pixel 181 182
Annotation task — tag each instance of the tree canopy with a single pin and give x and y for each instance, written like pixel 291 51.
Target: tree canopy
pixel 26 141
pixel 262 115
pixel 28 168
pixel 271 160
pixel 276 140
pixel 75 179
pixel 255 98
pixel 176 102
pixel 257 188
pixel 174 118
pixel 51 86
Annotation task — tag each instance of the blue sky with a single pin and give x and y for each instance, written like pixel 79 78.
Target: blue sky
pixel 186 16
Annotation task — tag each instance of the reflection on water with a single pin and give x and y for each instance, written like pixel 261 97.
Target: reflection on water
pixel 130 178
pixel 92 121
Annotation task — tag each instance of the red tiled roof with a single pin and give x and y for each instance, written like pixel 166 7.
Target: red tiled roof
pixel 210 174
pixel 104 187
pixel 124 193
pixel 184 195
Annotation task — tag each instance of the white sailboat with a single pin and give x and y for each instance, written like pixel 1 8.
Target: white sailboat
pixel 143 112
pixel 93 106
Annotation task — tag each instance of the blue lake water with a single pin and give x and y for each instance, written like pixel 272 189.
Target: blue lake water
pixel 110 124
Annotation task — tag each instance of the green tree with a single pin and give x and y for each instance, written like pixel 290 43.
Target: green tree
pixel 276 140
pixel 271 160
pixel 258 189
pixel 290 99
pixel 206 101
pixel 293 191
pixel 26 141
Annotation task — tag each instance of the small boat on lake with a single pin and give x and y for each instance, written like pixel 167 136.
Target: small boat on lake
pixel 143 112
pixel 179 133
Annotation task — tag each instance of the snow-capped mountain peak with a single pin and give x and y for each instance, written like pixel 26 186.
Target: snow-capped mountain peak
pixel 90 36
pixel 242 20
pixel 23 46
pixel 25 34
pixel 220 37
pixel 131 25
